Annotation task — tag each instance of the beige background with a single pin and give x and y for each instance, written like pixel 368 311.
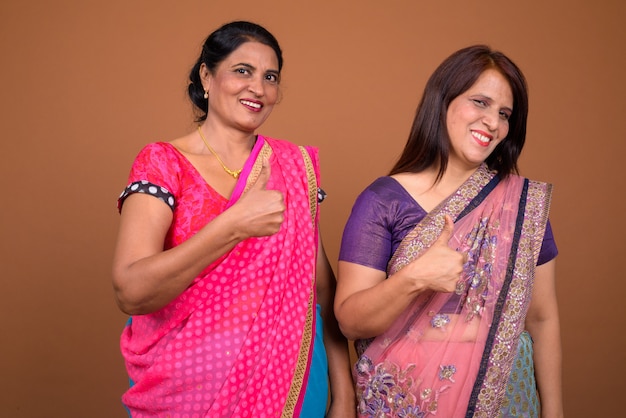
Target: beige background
pixel 86 84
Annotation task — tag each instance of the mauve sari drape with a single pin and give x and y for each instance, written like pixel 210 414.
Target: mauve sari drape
pixel 450 354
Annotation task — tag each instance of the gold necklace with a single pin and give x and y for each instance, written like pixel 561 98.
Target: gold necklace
pixel 234 173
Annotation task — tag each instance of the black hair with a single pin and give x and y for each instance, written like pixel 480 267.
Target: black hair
pixel 219 45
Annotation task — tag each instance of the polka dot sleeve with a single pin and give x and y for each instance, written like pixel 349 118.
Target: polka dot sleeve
pixel 144 186
pixel 156 171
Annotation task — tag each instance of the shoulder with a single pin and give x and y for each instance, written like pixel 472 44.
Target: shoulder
pixel 540 184
pixel 158 148
pixel 384 196
pixel 159 163
pixel 276 143
pixel 159 154
pixel 537 190
pixel 284 145
pixel 385 188
pixel 288 149
pixel 157 151
pixel 531 182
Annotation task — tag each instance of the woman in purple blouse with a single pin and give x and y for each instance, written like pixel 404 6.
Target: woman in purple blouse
pixel 446 276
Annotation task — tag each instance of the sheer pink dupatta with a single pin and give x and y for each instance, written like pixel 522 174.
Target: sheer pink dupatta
pixel 448 354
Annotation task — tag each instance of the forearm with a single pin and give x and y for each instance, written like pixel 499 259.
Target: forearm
pixel 371 312
pixel 547 358
pixel 339 370
pixel 152 281
pixel 542 322
pixel 369 302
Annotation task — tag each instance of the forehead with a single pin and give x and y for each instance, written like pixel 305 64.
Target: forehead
pixel 493 84
pixel 254 53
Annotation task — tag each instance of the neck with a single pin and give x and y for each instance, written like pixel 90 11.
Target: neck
pixel 228 151
pixel 228 141
pixel 452 178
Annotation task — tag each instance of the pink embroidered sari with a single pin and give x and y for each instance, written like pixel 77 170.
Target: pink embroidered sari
pixel 450 354
pixel 238 341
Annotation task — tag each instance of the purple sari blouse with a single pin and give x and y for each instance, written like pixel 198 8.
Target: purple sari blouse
pixel 382 216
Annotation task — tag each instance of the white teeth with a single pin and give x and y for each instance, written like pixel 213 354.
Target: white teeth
pixel 481 138
pixel 251 104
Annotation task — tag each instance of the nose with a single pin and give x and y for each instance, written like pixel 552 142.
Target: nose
pixel 256 86
pixel 491 120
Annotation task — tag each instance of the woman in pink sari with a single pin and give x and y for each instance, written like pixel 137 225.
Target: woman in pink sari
pixel 219 259
pixel 446 276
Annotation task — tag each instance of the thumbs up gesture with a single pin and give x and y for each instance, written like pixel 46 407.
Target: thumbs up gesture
pixel 261 209
pixel 439 268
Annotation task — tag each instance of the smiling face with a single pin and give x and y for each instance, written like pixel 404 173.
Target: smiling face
pixel 478 120
pixel 243 89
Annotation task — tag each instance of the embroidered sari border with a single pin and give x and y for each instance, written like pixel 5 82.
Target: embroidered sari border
pixel 531 223
pixel 427 231
pixel 482 371
pixel 480 197
pixel 297 390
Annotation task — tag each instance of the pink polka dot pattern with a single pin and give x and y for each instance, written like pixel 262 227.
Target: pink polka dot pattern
pixel 230 344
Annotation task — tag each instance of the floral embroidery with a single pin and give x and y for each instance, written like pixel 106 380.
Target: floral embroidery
pixel 412 412
pixel 480 247
pixel 364 366
pixel 377 408
pixel 386 390
pixel 440 321
pixel 447 372
pixel 379 386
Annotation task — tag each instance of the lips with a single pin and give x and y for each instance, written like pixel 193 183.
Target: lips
pixel 482 139
pixel 253 105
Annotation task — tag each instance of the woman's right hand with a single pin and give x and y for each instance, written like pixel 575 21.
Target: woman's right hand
pixel 367 302
pixel 260 211
pixel 439 268
pixel 146 278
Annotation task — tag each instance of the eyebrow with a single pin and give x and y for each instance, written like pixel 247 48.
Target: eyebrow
pixel 252 67
pixel 491 99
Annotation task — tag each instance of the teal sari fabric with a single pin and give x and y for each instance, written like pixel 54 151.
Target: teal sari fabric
pixel 316 395
pixel 521 392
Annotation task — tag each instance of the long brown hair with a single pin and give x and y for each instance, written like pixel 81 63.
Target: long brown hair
pixel 429 143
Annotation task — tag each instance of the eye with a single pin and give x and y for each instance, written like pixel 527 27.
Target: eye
pixel 504 115
pixel 242 70
pixel 479 102
pixel 271 77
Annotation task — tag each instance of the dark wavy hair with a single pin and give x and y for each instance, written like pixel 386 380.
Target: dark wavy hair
pixel 219 45
pixel 429 142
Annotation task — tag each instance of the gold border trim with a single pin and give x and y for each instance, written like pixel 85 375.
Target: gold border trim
pixel 308 332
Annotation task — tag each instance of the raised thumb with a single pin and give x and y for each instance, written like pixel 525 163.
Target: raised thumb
pixel 446 232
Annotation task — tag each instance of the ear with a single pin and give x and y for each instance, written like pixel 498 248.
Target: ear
pixel 205 76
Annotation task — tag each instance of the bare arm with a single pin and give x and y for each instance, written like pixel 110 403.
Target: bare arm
pixel 343 401
pixel 146 278
pixel 542 322
pixel 367 302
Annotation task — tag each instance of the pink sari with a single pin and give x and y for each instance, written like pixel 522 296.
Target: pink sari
pixel 450 354
pixel 238 341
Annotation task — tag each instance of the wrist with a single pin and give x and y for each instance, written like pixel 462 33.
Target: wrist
pixel 412 284
pixel 231 223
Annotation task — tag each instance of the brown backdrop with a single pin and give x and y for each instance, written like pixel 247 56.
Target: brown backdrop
pixel 86 84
